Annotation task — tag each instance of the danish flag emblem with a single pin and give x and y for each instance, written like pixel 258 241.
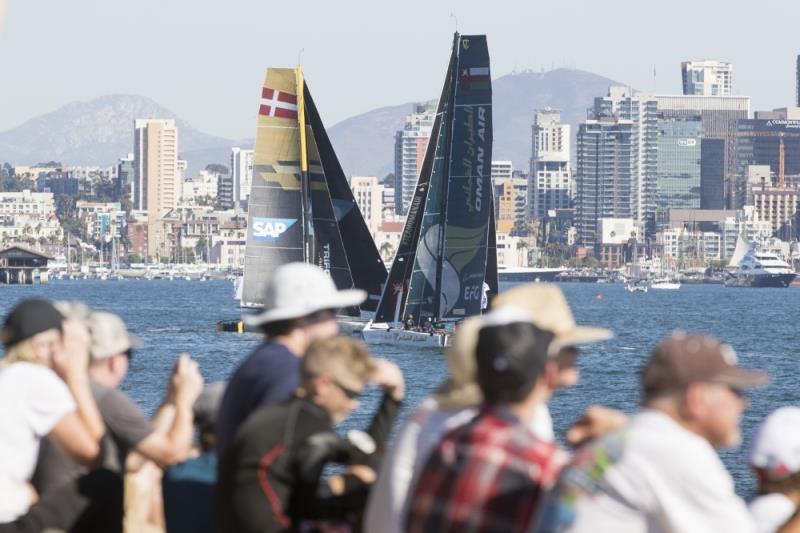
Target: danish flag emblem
pixel 277 104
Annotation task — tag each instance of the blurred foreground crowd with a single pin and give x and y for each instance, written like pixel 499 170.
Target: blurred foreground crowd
pixel 261 452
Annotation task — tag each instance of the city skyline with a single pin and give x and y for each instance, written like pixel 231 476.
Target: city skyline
pixel 205 60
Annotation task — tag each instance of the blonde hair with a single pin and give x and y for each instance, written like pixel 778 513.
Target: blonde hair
pixel 22 352
pixel 334 356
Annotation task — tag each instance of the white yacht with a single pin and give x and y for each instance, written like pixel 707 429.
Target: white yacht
pixel 761 269
pixel 665 284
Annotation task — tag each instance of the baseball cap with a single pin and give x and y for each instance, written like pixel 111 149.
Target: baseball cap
pixel 776 448
pixel 109 335
pixel 511 353
pixel 682 359
pixel 28 318
pixel 549 311
pixel 295 290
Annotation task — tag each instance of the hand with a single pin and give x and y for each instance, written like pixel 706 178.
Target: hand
pixel 186 383
pixel 388 376
pixel 363 472
pixel 595 422
pixel 71 354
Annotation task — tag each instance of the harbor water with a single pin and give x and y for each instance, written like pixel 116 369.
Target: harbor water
pixel 180 316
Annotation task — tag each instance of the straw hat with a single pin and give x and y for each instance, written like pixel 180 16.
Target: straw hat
pixel 549 311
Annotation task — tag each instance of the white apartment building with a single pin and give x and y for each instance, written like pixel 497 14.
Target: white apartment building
pixel 707 78
pixel 369 198
pixel 228 246
pixel 200 190
pixel 242 174
pixel 410 144
pixel 509 251
pixel 550 184
pixel 103 219
pixel 28 216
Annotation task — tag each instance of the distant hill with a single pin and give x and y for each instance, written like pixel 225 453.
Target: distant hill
pixel 99 131
pixel 365 143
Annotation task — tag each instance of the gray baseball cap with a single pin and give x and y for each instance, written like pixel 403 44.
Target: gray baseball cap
pixel 109 335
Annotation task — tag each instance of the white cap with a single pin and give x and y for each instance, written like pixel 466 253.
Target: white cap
pixel 776 448
pixel 295 290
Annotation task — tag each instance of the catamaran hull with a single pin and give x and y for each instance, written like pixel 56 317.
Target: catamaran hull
pixel 405 338
pixel 777 281
pixel 351 326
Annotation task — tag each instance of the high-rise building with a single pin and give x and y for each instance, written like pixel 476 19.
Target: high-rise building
pixel 617 162
pixel 156 177
pixel 712 174
pixel 679 163
pixel 550 184
pixel 502 170
pixel 605 182
pixel 241 174
pixel 707 78
pixel 797 83
pixel 225 190
pixel 409 151
pixel 719 115
pixel 368 194
pixel 126 176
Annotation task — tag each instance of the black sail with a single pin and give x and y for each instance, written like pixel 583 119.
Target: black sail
pixel 366 266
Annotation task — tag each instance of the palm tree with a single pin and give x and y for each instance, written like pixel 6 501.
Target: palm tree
pixel 387 251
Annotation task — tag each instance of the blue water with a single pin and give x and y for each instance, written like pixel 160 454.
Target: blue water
pixel 180 316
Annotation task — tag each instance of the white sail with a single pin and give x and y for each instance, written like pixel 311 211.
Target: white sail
pixel 742 247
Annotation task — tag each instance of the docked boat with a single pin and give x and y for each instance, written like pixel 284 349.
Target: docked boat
pixel 665 284
pixel 527 274
pixel 636 286
pixel 301 207
pixel 761 269
pixel 445 267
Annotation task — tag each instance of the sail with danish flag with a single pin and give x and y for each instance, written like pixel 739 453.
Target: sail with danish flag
pixel 301 207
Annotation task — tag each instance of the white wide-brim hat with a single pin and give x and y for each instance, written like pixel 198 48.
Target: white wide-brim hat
pixel 296 290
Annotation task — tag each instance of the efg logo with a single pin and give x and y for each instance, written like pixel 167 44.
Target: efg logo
pixel 269 229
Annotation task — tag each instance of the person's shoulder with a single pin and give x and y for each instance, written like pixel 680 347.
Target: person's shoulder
pixel 29 371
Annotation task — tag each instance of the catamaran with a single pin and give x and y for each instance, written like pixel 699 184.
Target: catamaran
pixel 445 267
pixel 301 207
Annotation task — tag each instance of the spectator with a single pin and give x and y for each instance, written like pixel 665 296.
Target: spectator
pixel 489 474
pixel 270 478
pixel 42 347
pixel 131 439
pixel 300 301
pixel 189 486
pixel 457 401
pixel 661 473
pixel 775 458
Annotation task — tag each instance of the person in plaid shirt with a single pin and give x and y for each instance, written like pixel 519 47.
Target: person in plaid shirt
pixel 489 474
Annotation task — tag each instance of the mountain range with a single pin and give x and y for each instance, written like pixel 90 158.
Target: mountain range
pixel 99 131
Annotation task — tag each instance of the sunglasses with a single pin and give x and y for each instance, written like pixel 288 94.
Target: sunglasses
pixel 129 354
pixel 350 393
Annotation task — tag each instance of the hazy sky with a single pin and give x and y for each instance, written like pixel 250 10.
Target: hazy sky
pixel 205 60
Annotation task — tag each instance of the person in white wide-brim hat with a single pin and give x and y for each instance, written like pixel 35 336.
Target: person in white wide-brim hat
pixel 300 303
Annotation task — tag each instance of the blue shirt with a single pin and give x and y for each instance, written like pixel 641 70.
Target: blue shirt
pixel 189 495
pixel 268 376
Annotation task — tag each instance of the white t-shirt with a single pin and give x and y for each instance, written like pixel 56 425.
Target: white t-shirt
pixel 653 476
pixel 771 511
pixel 32 401
pixel 387 506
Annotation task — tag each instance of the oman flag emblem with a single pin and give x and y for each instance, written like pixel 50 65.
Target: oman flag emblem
pixel 277 104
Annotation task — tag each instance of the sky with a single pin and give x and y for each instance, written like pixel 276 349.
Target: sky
pixel 205 60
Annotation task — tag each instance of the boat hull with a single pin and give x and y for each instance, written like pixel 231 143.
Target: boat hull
pixel 403 337
pixel 526 276
pixel 775 281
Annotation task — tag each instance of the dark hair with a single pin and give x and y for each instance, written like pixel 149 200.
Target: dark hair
pixel 278 328
pixel 510 358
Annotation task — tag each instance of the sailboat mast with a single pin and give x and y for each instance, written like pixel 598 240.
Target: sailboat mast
pixel 448 148
pixel 308 241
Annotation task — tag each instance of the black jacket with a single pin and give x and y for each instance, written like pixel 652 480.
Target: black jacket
pixel 270 478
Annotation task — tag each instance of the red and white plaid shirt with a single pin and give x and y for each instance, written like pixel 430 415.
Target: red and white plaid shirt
pixel 488 475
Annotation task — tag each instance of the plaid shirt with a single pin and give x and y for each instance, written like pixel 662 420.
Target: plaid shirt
pixel 487 475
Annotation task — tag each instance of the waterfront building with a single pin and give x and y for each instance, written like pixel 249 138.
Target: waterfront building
pixel 387 238
pixel 774 202
pixel 368 193
pixel 156 174
pixel 617 162
pixel 227 248
pixel 242 175
pixel 707 78
pixel 28 217
pixel 409 151
pixel 103 219
pixel 712 174
pixel 682 248
pixel 679 163
pixel 797 82
pixel 200 190
pixel 225 190
pixel 512 250
pixel 550 184
pixel 719 115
